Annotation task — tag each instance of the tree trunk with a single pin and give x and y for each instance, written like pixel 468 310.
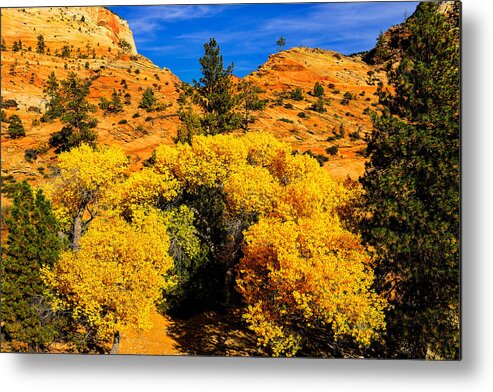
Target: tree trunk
pixel 116 343
pixel 77 231
pixel 247 112
pixel 228 279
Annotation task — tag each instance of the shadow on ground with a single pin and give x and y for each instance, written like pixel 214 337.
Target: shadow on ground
pixel 214 333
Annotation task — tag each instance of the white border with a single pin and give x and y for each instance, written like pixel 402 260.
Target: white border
pixel 143 374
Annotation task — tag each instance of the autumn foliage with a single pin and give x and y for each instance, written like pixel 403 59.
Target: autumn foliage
pixel 230 222
pixel 271 227
pixel 114 280
pixel 300 267
pixel 86 175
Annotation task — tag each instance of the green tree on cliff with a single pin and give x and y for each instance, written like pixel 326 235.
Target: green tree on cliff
pixel 75 115
pixel 412 191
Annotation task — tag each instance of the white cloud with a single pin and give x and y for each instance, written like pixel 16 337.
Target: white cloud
pixel 151 19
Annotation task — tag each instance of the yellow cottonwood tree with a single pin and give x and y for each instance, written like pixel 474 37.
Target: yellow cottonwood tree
pixel 142 190
pixel 114 281
pixel 299 275
pixel 301 269
pixel 251 190
pixel 207 162
pixel 259 213
pixel 86 174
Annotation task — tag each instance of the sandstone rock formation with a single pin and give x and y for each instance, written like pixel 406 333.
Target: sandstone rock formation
pixel 93 35
pixel 78 27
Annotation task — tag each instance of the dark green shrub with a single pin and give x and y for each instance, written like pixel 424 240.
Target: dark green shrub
pixel 148 100
pixel 346 98
pixel 66 51
pixel 140 129
pixel 286 120
pixel 10 104
pixel 318 106
pixel 16 129
pixel 17 46
pixel 354 135
pixel 297 94
pixel 332 150
pixel 104 103
pixel 30 155
pixel 341 131
pixel 318 90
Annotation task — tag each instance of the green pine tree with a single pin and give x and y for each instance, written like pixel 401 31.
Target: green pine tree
pixel 249 95
pixel 148 99
pixel 52 93
pixel 113 106
pixel 116 102
pixel 17 46
pixel 318 90
pixel 216 93
pixel 16 129
pixel 281 43
pixel 78 123
pixel 32 242
pixel 412 192
pixel 40 47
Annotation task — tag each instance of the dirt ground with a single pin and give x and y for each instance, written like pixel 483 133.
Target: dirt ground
pixel 209 333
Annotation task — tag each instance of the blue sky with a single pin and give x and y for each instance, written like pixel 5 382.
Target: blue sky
pixel 173 36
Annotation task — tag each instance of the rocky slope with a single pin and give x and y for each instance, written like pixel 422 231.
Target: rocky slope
pixel 306 129
pixel 79 27
pixel 93 34
pixel 24 73
pixel 388 49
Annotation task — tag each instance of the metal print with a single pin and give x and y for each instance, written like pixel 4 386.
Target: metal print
pixel 164 194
